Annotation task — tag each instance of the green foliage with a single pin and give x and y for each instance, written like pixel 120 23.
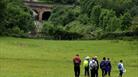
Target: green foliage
pixel 16 30
pixel 95 14
pixel 48 28
pixel 135 2
pixel 105 19
pixel 126 21
pixel 62 16
pixel 134 11
pixel 119 6
pixel 123 6
pixel 2 14
pixel 134 28
pixel 2 9
pixel 114 24
pixel 16 16
pixel 58 32
pixel 89 18
pixel 84 19
pixel 87 5
pixel 77 27
pixel 120 35
pixel 106 15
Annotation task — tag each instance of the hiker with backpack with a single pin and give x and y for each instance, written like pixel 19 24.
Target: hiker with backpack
pixel 96 70
pixel 121 68
pixel 103 67
pixel 77 63
pixel 86 66
pixel 108 66
pixel 93 66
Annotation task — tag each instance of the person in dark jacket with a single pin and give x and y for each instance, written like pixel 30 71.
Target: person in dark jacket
pixel 97 68
pixel 108 66
pixel 103 67
pixel 77 62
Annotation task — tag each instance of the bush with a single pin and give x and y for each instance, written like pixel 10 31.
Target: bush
pixel 58 32
pixel 119 35
pixel 17 18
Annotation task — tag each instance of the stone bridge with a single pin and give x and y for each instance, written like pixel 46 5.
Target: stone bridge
pixel 41 11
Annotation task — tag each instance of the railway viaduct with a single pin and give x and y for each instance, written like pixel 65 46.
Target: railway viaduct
pixel 41 11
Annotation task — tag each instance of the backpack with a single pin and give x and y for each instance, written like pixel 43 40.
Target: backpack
pixel 93 64
pixel 119 66
pixel 77 60
pixel 85 63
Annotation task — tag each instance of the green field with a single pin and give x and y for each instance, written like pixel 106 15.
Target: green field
pixel 50 58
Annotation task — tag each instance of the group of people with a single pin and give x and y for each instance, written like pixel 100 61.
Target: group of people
pixel 91 66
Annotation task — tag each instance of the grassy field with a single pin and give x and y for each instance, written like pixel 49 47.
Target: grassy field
pixel 49 58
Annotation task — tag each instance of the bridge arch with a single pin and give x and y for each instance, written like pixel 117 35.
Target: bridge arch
pixel 46 15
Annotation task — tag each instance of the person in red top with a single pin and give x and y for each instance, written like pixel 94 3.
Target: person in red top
pixel 77 62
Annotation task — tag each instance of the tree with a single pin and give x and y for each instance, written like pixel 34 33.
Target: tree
pixel 126 21
pixel 2 14
pixel 78 27
pixel 87 5
pixel 135 2
pixel 63 16
pixel 122 6
pixel 106 19
pixel 134 11
pixel 84 19
pixel 95 14
pixel 17 16
pixel 2 9
pixel 113 24
pixel 48 28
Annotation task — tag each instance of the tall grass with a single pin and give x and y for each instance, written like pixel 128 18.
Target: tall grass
pixel 50 58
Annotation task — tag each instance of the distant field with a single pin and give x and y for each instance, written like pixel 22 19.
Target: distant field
pixel 49 58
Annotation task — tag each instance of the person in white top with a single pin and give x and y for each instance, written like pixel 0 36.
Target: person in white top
pixel 93 66
pixel 121 68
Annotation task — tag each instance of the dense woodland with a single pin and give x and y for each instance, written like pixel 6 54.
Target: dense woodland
pixel 86 19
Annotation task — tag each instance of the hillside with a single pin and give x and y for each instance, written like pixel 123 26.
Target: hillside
pixel 85 19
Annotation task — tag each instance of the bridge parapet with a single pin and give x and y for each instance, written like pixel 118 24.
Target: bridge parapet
pixel 40 8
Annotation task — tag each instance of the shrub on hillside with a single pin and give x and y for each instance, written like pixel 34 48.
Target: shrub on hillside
pixel 58 32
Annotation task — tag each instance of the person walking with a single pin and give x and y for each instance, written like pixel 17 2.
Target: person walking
pixel 108 66
pixel 103 67
pixel 86 66
pixel 77 62
pixel 97 68
pixel 93 66
pixel 121 68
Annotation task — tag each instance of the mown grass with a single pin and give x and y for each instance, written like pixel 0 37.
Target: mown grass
pixel 50 58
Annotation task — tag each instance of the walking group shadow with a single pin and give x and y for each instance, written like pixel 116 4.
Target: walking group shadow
pixel 91 66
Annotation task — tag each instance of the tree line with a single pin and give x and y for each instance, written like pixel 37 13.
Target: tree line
pixel 15 18
pixel 94 18
pixel 87 19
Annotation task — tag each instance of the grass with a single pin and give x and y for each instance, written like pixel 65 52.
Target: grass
pixel 50 58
